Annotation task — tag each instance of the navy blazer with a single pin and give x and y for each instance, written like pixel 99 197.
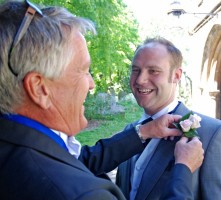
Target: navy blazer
pixel 34 167
pixel 206 184
pixel 179 185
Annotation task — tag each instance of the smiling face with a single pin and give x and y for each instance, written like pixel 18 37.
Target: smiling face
pixel 68 93
pixel 152 80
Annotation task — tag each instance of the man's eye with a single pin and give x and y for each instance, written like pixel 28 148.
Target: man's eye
pixel 88 74
pixel 154 72
pixel 135 70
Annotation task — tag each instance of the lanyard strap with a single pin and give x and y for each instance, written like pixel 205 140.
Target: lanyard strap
pixel 37 126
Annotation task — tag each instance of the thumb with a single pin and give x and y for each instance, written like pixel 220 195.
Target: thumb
pixel 183 140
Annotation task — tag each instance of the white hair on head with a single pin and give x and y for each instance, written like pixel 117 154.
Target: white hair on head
pixel 45 47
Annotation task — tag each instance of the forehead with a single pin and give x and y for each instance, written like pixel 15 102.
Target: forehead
pixel 152 52
pixel 154 48
pixel 78 41
pixel 81 54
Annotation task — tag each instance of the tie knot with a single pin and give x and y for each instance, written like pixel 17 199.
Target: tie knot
pixel 147 120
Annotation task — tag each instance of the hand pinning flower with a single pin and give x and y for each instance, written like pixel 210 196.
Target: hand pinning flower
pixel 188 124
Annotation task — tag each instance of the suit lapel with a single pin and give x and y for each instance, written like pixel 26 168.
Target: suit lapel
pixel 181 110
pixel 162 159
pixel 33 139
pixel 126 179
pixel 157 165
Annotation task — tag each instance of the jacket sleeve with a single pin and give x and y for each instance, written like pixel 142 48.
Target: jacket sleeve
pixel 100 195
pixel 108 153
pixel 179 185
pixel 210 176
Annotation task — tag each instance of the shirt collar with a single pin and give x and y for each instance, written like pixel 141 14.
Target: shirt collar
pixel 68 143
pixel 73 145
pixel 164 111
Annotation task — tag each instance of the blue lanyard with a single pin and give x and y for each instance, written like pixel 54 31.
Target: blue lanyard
pixel 37 126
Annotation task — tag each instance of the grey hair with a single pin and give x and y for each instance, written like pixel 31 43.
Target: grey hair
pixel 45 47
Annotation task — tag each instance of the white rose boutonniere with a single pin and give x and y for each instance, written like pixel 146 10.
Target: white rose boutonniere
pixel 188 124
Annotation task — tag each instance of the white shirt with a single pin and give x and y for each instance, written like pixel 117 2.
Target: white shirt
pixel 73 145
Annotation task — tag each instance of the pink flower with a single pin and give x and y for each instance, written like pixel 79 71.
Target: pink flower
pixel 186 125
pixel 195 119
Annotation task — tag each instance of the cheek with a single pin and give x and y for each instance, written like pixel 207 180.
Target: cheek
pixel 132 81
pixel 166 91
pixel 81 90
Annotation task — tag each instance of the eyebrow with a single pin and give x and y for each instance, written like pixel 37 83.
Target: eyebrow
pixel 151 67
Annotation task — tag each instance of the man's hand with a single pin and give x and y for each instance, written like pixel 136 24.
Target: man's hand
pixel 189 153
pixel 161 127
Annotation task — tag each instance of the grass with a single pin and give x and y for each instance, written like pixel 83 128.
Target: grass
pixel 110 124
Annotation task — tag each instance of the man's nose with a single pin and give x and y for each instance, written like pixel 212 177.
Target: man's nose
pixel 142 78
pixel 91 83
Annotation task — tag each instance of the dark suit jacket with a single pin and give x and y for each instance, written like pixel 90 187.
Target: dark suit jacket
pixel 34 167
pixel 179 185
pixel 206 180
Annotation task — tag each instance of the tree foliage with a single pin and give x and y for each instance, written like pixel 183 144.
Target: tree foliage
pixel 113 47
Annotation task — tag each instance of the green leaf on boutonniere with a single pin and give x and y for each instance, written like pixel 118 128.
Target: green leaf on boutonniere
pixel 191 133
pixel 188 124
pixel 186 116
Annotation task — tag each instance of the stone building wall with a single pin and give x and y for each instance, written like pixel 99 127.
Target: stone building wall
pixel 206 61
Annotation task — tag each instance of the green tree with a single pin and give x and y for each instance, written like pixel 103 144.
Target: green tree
pixel 113 47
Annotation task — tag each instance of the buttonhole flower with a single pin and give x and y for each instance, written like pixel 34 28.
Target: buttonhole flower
pixel 188 124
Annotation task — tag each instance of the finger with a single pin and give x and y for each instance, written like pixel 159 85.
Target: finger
pixel 172 138
pixel 183 139
pixel 176 118
pixel 174 132
pixel 195 139
pixel 172 125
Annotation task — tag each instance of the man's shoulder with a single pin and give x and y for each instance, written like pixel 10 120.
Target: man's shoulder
pixel 210 129
pixel 208 120
pixel 183 109
pixel 130 125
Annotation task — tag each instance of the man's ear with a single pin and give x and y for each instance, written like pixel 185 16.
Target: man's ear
pixel 36 89
pixel 178 74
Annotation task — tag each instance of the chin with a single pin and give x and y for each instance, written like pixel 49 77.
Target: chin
pixel 84 123
pixel 79 125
